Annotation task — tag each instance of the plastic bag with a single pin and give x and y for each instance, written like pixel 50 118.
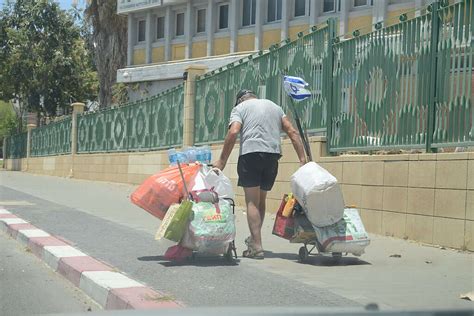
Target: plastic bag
pixel 178 253
pixel 209 178
pixel 318 193
pixel 212 227
pixel 347 235
pixel 161 190
pixel 283 226
pixel 175 222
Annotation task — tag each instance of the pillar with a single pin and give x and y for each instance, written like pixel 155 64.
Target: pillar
pixel 148 38
pixel 285 19
pixel 130 42
pixel 77 108
pixel 168 35
pixel 314 13
pixel 4 152
pixel 344 17
pixel 234 9
pixel 188 30
pixel 379 11
pixel 30 128
pixel 258 25
pixel 189 102
pixel 210 26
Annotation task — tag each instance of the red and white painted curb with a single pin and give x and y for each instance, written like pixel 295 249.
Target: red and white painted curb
pixel 111 289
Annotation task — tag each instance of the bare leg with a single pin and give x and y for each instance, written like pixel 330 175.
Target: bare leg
pixel 254 218
pixel 262 206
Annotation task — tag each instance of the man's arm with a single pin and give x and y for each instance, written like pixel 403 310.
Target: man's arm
pixel 295 139
pixel 229 143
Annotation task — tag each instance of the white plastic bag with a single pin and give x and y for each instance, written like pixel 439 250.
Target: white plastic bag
pixel 209 178
pixel 347 235
pixel 318 193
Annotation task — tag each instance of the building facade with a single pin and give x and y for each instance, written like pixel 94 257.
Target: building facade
pixel 165 36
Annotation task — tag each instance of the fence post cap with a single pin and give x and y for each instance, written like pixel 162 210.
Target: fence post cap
pixel 78 107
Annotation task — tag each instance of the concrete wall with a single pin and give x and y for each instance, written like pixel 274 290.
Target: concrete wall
pixel 423 197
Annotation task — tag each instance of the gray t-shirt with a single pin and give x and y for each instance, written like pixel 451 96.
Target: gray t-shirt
pixel 261 126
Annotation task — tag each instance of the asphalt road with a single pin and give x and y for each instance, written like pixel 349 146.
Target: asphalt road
pixel 98 218
pixel 27 286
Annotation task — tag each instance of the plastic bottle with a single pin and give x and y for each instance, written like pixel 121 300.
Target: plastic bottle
pixel 199 154
pixel 181 157
pixel 191 154
pixel 172 156
pixel 208 154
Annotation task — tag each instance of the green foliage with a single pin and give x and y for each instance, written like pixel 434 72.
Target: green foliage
pixel 106 32
pixel 44 63
pixel 8 123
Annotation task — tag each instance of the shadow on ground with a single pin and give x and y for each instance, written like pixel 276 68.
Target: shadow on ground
pixel 196 261
pixel 318 259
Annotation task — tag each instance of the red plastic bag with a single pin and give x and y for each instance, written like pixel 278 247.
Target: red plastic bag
pixel 163 189
pixel 178 253
pixel 284 227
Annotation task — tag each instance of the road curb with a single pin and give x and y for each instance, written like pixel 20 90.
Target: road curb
pixel 111 289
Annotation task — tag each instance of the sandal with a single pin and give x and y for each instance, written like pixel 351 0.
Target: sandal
pixel 253 254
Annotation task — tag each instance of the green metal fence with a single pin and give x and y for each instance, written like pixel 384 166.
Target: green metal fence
pixel 16 146
pixel 263 73
pixel 406 86
pixel 454 87
pixel 381 88
pixel 149 124
pixel 52 139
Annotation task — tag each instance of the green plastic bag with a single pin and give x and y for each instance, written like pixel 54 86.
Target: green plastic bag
pixel 176 222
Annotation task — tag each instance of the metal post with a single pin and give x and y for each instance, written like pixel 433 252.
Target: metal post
pixel 329 82
pixel 189 102
pixel 30 128
pixel 433 65
pixel 4 149
pixel 77 108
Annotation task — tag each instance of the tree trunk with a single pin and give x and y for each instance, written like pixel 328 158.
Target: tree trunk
pixel 110 41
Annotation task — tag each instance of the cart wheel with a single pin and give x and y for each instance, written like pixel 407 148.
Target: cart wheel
pixel 234 249
pixel 229 255
pixel 303 254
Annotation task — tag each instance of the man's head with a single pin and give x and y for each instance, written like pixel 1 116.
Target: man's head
pixel 243 95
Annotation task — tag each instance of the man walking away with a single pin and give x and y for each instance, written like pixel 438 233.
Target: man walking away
pixel 259 123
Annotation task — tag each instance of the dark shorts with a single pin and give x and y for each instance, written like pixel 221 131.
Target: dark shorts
pixel 258 170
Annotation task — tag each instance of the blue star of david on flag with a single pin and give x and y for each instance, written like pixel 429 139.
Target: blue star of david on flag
pixel 296 87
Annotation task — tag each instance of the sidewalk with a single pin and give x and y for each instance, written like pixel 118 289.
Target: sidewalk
pixel 101 221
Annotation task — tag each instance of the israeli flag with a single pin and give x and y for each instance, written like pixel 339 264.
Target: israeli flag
pixel 296 87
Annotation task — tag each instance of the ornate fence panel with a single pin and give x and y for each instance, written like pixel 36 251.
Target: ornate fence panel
pixel 381 88
pixel 149 124
pixel 52 139
pixel 455 93
pixel 263 73
pixel 16 146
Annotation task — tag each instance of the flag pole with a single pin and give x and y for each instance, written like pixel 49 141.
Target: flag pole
pixel 303 135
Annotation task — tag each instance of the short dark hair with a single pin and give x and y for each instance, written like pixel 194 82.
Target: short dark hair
pixel 242 93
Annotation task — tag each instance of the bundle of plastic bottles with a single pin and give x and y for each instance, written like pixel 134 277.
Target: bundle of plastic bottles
pixel 201 154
